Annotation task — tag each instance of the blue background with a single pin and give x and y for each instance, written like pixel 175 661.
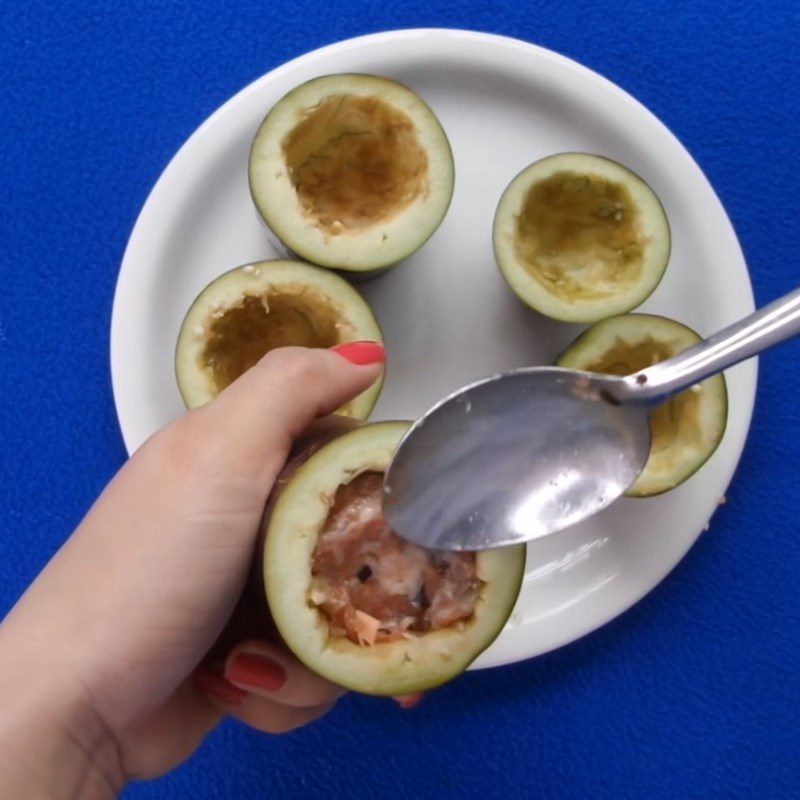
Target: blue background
pixel 693 693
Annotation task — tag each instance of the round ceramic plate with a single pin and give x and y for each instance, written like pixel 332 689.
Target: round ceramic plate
pixel 447 314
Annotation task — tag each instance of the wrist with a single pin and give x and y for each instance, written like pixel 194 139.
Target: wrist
pixel 52 743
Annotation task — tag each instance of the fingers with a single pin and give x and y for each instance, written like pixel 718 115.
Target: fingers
pixel 270 717
pixel 260 712
pixel 267 670
pixel 267 688
pixel 272 403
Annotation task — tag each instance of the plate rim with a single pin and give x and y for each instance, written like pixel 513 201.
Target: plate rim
pixel 116 357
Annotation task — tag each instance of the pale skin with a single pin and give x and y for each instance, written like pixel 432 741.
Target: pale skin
pixel 107 671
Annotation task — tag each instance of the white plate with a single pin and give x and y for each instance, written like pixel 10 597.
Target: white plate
pixel 447 315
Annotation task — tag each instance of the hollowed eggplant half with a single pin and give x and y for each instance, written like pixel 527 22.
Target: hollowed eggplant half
pixel 352 172
pixel 253 309
pixel 580 238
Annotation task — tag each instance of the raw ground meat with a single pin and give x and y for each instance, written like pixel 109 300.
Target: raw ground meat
pixel 376 587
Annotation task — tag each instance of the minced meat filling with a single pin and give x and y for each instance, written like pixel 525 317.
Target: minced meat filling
pixel 374 586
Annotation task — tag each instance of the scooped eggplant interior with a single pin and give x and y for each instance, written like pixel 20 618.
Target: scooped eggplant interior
pixel 580 235
pixel 674 423
pixel 374 587
pixel 355 161
pixel 237 337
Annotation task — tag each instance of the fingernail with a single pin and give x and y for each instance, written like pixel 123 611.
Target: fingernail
pixel 257 671
pixel 361 353
pixel 213 683
pixel 409 700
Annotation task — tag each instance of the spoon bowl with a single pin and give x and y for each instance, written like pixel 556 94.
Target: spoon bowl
pixel 502 461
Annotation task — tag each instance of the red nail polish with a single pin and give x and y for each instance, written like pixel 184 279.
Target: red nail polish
pixel 211 682
pixel 260 672
pixel 409 700
pixel 361 353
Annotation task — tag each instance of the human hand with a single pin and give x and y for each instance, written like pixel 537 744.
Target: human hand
pixel 99 659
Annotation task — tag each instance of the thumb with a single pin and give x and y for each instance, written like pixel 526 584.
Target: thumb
pixel 265 409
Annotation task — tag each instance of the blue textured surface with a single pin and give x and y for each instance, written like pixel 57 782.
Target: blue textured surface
pixel 693 693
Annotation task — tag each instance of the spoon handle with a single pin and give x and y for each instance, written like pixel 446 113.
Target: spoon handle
pixel 776 322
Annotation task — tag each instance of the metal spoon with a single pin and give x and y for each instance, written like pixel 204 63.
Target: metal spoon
pixel 527 453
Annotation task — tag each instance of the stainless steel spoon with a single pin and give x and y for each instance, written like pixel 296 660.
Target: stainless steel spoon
pixel 527 453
